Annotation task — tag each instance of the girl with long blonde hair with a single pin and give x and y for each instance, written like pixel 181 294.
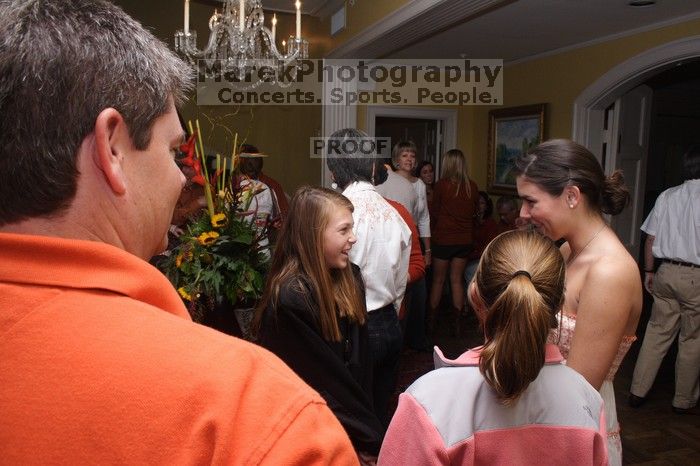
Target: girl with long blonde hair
pixel 313 315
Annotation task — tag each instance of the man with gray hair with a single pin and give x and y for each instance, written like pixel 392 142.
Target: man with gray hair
pixel 101 363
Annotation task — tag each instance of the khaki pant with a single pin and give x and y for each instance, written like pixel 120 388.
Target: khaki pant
pixel 676 291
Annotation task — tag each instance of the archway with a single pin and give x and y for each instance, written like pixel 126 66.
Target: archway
pixel 590 105
pixel 611 118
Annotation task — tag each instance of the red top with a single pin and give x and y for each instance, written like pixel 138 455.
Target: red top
pixel 452 219
pixel 416 263
pixel 483 234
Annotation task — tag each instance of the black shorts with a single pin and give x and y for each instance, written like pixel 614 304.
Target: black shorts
pixel 460 251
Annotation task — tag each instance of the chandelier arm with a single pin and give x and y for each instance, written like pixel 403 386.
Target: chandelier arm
pixel 232 50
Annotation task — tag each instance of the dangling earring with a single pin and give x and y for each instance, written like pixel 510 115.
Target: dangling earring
pixel 334 185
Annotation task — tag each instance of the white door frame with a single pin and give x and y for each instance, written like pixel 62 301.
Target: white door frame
pixel 590 105
pixel 448 117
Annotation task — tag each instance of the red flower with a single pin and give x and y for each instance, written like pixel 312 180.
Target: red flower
pixel 191 160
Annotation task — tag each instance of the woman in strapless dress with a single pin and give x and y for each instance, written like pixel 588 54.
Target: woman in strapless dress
pixel 565 195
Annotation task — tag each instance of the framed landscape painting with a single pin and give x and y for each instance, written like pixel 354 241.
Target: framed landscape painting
pixel 512 131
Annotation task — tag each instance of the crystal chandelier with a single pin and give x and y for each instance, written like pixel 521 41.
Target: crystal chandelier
pixel 239 42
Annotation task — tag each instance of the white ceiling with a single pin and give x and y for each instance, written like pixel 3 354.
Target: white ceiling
pixel 509 29
pixel 526 28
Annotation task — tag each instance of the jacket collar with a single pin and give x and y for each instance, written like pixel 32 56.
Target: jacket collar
pixel 471 357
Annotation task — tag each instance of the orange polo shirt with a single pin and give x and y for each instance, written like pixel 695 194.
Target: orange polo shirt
pixel 100 364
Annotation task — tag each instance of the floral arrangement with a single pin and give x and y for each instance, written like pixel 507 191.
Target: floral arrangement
pixel 220 254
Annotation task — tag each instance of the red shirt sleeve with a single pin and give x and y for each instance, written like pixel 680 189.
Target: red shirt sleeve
pixel 416 263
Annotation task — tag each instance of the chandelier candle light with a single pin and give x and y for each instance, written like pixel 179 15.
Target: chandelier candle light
pixel 239 40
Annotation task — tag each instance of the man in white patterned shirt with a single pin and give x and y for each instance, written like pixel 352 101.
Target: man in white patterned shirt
pixel 382 252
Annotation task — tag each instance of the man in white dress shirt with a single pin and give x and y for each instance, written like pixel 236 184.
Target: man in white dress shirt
pixel 673 227
pixel 382 252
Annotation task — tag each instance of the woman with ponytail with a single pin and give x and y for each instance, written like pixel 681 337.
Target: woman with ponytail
pixel 565 195
pixel 313 315
pixel 511 401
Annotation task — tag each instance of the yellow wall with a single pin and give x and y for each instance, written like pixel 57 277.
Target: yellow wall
pixel 282 132
pixel 557 81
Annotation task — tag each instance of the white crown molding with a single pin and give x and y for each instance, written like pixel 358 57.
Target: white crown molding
pixel 608 38
pixel 408 12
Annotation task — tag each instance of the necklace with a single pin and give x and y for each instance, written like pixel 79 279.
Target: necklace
pixel 575 255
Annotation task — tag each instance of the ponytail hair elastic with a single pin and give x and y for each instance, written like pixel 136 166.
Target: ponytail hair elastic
pixel 521 272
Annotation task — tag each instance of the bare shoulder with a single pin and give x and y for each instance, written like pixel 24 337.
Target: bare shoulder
pixel 614 265
pixel 613 283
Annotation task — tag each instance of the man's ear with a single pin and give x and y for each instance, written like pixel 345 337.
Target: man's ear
pixel 111 140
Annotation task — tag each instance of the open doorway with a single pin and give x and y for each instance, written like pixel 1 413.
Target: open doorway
pixel 425 134
pixel 433 130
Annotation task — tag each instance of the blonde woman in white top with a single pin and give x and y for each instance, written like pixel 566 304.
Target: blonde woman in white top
pixel 403 158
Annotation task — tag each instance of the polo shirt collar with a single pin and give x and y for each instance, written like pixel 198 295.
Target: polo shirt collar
pixel 89 265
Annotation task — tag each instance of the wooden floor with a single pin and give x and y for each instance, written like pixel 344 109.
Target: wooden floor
pixel 652 435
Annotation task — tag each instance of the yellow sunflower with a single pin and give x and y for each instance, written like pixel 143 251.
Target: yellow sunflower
pixel 183 257
pixel 208 238
pixel 218 220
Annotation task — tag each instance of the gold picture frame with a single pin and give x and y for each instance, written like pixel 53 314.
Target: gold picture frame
pixel 512 131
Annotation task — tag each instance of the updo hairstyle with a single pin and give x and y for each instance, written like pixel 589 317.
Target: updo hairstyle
pixel 558 163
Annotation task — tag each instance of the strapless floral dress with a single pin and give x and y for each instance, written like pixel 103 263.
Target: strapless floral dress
pixel 563 337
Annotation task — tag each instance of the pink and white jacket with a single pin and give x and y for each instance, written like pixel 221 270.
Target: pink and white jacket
pixel 451 416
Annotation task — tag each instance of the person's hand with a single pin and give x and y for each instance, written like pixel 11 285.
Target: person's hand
pixel 649 281
pixel 427 257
